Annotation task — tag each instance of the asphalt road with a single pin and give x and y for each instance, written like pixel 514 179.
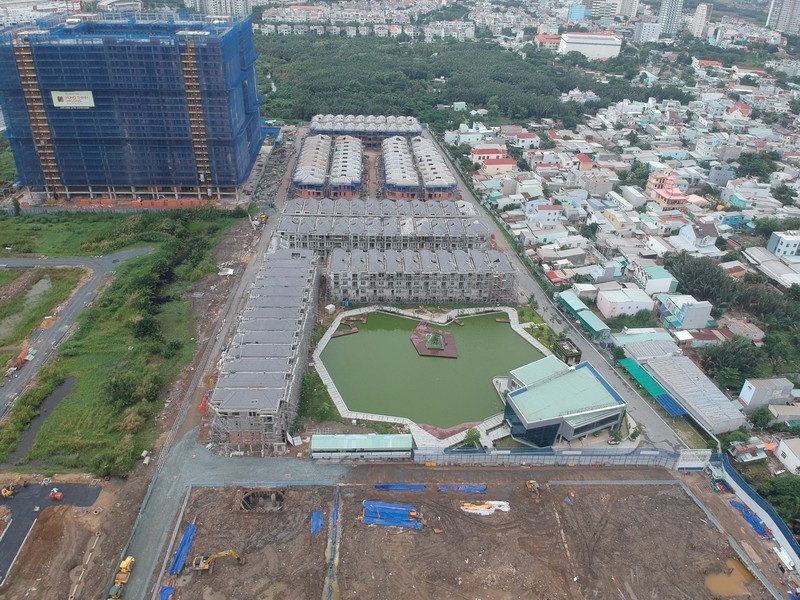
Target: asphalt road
pixel 46 341
pixel 655 430
pixel 23 515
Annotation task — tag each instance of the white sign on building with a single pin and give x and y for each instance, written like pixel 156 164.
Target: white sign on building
pixel 73 99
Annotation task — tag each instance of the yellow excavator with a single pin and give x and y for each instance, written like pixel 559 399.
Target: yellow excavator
pixel 205 562
pixel 7 491
pixel 534 487
pixel 121 578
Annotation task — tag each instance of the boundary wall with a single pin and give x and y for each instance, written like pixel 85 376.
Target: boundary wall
pixel 753 500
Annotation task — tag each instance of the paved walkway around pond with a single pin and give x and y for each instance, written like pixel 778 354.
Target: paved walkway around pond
pixel 23 515
pixel 422 438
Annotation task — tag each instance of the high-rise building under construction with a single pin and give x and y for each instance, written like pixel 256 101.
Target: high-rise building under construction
pixel 160 106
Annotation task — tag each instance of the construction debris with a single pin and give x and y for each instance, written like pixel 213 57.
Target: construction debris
pixel 485 508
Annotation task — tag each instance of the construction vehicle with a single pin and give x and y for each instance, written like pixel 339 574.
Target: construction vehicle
pixel 534 487
pixel 8 491
pixel 205 562
pixel 121 578
pixel 262 218
pixel 55 494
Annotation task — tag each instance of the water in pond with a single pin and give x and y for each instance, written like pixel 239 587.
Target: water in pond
pixel 731 583
pixel 378 370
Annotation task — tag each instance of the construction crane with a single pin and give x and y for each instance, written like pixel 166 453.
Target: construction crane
pixel 8 491
pixel 205 562
pixel 121 578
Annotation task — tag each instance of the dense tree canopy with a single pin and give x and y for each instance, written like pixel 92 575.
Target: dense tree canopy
pixel 369 75
pixel 734 361
pixel 784 494
pixel 755 164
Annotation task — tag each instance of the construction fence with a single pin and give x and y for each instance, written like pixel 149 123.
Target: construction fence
pixel 782 533
pixel 601 457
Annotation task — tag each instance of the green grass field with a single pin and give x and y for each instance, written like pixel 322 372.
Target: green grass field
pixel 9 275
pixel 62 282
pixel 139 331
pixel 59 234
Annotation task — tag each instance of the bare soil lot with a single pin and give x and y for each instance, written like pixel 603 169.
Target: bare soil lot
pixel 646 542
pixel 283 559
pixel 634 541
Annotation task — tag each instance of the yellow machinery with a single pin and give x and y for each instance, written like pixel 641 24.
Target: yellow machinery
pixel 7 491
pixel 121 578
pixel 534 487
pixel 205 562
pixel 263 218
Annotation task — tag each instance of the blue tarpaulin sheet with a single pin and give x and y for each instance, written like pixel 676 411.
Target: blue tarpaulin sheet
pixel 399 486
pixel 467 489
pixel 390 515
pixel 166 592
pixel 754 521
pixel 183 550
pixel 317 522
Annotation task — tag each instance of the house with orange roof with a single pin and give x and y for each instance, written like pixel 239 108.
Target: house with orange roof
pixel 497 166
pixel 585 163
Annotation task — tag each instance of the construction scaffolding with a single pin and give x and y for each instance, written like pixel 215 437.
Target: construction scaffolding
pixel 256 396
pixel 323 225
pixel 369 129
pixel 329 167
pixel 144 107
pixel 344 176
pixel 311 171
pixel 401 180
pixel 411 276
pixel 438 183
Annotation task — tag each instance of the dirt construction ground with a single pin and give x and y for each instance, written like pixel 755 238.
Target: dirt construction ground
pixel 283 560
pixel 640 542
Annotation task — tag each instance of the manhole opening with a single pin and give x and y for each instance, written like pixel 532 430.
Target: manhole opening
pixel 262 500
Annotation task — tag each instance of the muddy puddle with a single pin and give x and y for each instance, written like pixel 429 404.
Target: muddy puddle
pixel 731 583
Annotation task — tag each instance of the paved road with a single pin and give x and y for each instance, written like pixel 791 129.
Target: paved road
pixel 656 430
pixel 23 516
pixel 46 341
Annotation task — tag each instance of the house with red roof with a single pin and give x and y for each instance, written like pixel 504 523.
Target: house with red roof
pixel 547 42
pixel 585 163
pixel 497 166
pixel 740 110
pixel 700 64
pixel 480 154
pixel 740 71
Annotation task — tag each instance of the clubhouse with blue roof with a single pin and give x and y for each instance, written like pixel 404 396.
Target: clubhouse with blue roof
pixel 549 401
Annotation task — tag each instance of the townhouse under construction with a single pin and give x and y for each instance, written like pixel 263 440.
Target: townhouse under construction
pixel 323 225
pixel 256 396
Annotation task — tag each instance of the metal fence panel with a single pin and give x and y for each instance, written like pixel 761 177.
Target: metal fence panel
pixel 776 523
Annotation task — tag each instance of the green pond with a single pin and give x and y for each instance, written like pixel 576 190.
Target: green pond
pixel 377 370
